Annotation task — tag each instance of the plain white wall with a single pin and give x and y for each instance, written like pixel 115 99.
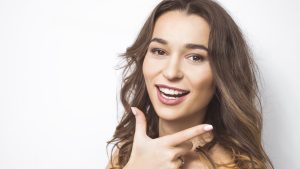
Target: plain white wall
pixel 59 86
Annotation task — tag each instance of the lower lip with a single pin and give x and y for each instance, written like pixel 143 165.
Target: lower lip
pixel 166 101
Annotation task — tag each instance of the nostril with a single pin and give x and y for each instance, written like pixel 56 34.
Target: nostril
pixel 172 74
pixel 172 69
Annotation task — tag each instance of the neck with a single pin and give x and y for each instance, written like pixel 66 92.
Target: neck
pixel 167 127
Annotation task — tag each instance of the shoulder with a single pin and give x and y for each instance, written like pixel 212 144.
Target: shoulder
pixel 113 161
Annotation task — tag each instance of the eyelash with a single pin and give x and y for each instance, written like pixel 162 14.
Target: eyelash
pixel 154 50
pixel 199 57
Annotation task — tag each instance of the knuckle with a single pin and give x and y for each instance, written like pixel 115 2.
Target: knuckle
pixel 164 142
pixel 172 165
pixel 170 155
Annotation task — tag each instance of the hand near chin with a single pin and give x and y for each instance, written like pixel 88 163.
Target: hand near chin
pixel 163 152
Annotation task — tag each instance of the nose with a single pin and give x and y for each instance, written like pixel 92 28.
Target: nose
pixel 172 70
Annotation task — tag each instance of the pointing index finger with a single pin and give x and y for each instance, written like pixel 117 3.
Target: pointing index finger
pixel 187 134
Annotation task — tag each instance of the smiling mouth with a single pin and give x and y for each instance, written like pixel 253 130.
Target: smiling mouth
pixel 171 92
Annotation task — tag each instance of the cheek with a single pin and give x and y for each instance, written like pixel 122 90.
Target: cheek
pixel 150 68
pixel 202 80
pixel 147 71
pixel 204 89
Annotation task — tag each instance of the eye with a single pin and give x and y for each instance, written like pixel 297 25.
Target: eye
pixel 196 58
pixel 157 51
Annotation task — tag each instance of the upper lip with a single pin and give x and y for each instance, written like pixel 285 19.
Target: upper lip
pixel 174 88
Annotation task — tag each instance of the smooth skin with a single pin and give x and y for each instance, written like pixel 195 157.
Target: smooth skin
pixel 163 150
pixel 175 63
pixel 179 59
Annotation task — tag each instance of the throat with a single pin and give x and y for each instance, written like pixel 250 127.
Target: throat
pixel 167 127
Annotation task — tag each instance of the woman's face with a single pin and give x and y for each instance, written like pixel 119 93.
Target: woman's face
pixel 176 68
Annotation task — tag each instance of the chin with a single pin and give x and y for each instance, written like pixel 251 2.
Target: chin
pixel 169 114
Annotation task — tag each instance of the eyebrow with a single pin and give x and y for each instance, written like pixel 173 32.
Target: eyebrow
pixel 188 45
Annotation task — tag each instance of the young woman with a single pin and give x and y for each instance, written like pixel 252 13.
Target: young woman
pixel 190 94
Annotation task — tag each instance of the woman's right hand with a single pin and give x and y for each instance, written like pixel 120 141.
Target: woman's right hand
pixel 163 152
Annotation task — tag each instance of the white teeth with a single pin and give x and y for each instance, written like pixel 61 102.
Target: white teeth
pixel 170 91
pixel 168 97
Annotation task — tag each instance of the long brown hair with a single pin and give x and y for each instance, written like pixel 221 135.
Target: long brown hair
pixel 234 111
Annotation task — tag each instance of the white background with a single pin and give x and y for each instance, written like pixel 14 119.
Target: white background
pixel 59 85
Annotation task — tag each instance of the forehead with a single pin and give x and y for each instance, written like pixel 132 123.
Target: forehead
pixel 178 27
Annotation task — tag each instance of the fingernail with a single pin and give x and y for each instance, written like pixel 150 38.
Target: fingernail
pixel 133 110
pixel 208 127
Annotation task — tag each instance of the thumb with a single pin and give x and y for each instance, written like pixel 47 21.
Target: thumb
pixel 140 123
